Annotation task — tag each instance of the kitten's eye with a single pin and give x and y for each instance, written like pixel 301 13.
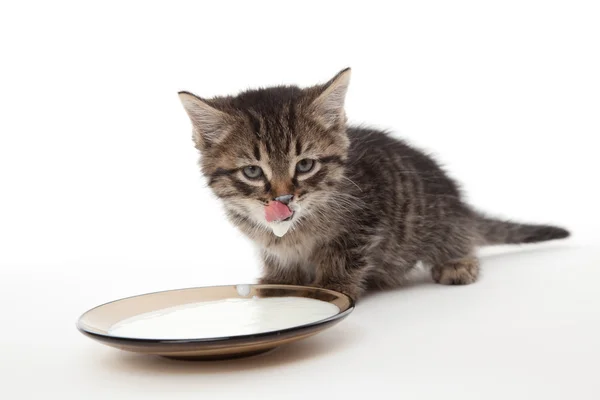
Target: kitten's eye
pixel 305 165
pixel 253 172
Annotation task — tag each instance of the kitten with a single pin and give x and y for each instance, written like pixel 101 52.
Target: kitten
pixel 336 206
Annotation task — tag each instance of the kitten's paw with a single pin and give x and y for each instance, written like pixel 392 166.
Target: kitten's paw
pixel 352 291
pixel 461 272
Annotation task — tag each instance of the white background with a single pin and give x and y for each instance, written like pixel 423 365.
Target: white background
pixel 101 197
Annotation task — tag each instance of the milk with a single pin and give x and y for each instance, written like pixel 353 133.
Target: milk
pixel 281 228
pixel 224 318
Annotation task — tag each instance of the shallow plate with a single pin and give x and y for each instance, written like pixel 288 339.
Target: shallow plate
pixel 97 322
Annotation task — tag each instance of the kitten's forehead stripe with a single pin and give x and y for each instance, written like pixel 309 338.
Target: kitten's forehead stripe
pixel 255 122
pixel 256 152
pixel 309 147
pixel 268 146
pixel 288 142
pixel 291 116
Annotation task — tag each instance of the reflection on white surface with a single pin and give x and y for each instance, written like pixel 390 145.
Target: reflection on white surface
pixel 222 318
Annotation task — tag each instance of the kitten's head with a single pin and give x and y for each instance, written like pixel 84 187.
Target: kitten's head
pixel 272 149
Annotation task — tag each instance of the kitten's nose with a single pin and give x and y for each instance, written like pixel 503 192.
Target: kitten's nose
pixel 285 199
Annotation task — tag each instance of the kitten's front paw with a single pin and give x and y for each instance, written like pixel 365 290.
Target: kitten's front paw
pixel 353 291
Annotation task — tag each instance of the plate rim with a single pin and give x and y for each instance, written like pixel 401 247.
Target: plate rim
pixel 214 340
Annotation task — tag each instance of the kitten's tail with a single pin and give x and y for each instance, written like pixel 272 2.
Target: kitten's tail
pixel 495 231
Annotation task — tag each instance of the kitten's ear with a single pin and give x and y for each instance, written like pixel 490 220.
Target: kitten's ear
pixel 209 123
pixel 328 107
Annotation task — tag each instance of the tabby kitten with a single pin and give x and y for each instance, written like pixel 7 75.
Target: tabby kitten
pixel 337 206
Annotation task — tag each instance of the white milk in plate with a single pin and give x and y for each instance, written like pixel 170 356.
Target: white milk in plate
pixel 225 318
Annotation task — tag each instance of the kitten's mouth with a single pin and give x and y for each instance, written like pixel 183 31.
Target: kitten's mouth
pixel 276 211
pixel 288 218
pixel 282 226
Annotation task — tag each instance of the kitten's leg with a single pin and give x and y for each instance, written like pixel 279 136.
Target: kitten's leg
pixel 461 271
pixel 289 275
pixel 339 270
pixel 352 285
pixel 275 273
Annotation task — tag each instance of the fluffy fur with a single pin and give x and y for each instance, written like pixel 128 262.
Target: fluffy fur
pixel 370 208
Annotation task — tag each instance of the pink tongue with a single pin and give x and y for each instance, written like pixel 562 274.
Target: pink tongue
pixel 277 211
